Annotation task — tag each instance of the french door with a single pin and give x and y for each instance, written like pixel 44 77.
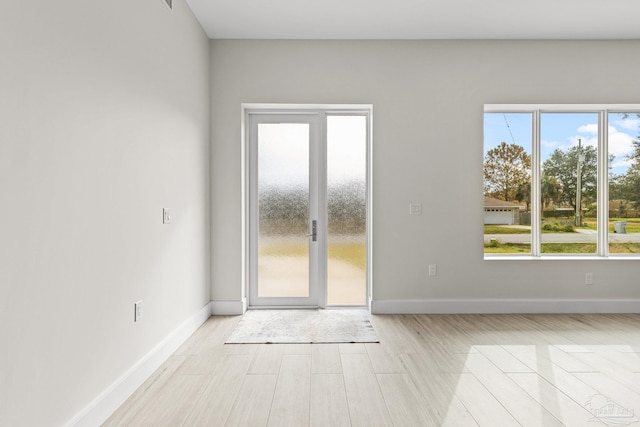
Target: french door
pixel 307 208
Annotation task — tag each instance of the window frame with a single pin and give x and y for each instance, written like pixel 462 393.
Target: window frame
pixel 536 110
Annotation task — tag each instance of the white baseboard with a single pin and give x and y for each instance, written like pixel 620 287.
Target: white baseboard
pixel 451 306
pixel 115 395
pixel 228 308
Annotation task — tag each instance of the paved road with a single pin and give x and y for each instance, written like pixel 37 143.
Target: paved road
pixel 582 236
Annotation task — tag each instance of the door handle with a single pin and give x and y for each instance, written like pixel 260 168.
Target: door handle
pixel 314 231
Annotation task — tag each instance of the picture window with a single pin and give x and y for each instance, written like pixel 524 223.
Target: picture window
pixel 561 180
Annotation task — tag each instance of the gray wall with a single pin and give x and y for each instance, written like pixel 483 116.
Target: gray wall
pixel 428 99
pixel 105 120
pixel 104 111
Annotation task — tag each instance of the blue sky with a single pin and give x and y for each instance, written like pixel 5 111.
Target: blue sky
pixel 562 130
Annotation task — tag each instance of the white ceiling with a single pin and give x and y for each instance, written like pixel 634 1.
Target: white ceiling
pixel 419 19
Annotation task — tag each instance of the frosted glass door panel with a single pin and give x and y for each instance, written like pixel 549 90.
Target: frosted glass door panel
pixel 347 214
pixel 283 210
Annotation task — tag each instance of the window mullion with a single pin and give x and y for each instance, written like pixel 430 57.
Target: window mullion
pixel 536 200
pixel 603 183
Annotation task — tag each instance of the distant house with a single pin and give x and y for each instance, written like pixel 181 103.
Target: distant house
pixel 499 212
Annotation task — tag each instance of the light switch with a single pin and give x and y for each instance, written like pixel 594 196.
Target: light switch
pixel 166 216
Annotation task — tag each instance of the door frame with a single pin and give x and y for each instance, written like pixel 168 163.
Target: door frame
pixel 316 247
pixel 322 110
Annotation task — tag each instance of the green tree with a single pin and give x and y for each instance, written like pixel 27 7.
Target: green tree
pixel 628 184
pixel 563 166
pixel 523 193
pixel 635 155
pixel 616 186
pixel 550 190
pixel 505 168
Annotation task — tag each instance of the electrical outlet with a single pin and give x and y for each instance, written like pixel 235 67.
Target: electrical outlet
pixel 433 270
pixel 588 278
pixel 137 311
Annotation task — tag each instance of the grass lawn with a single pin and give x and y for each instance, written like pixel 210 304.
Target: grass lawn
pixel 633 224
pixel 498 229
pixel 568 248
pixel 507 248
pixel 560 248
pixel 624 248
pixel 547 248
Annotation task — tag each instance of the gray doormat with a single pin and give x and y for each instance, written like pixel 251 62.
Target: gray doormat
pixel 303 326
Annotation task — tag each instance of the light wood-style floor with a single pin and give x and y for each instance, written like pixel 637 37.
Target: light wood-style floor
pixel 428 370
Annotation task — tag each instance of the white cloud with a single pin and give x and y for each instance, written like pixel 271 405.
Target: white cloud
pixel 590 128
pixel 621 162
pixel 588 134
pixel 620 143
pixel 629 124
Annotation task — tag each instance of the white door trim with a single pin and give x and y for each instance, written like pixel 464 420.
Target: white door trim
pixel 323 110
